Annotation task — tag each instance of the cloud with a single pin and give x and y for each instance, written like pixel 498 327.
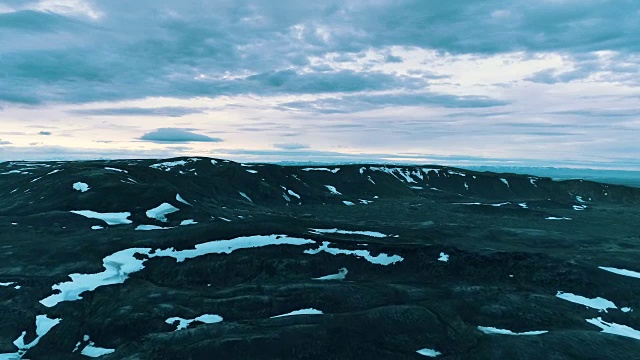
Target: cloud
pixel 4 142
pixel 175 135
pixel 137 111
pixel 355 103
pixel 44 133
pixel 119 50
pixel 290 146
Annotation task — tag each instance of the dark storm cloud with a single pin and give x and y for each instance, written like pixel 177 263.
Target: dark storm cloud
pixel 174 135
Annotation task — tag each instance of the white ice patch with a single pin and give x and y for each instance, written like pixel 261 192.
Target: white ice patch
pixel 333 190
pixel 341 275
pixel 504 181
pixel 293 193
pixel 597 303
pixel 114 169
pixel 322 169
pixel 169 165
pixel 245 196
pixel 626 309
pixel 533 181
pixel 417 187
pixel 523 205
pixel 224 219
pixel 188 222
pixel 623 272
pixel 428 352
pixel 93 351
pixel 443 257
pixel 557 218
pixel 348 203
pixel 180 199
pixel 80 186
pixel 119 265
pixel 184 323
pixel 615 329
pixel 251 171
pixel 466 186
pixel 349 232
pixel 151 227
pixel 161 211
pixel 579 207
pixel 7 283
pixel 381 259
pixel 495 331
pixel 97 227
pixel 365 202
pixel 456 173
pixel 580 199
pixel 309 311
pixel 499 204
pixel 110 218
pixel 43 326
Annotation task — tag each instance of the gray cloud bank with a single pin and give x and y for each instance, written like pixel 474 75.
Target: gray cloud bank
pixel 186 48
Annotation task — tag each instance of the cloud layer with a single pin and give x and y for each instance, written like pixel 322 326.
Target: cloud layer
pixel 486 79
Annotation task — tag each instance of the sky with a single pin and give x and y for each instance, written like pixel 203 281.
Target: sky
pixel 476 82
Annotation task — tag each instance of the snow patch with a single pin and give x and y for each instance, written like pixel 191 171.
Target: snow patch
pixel 118 170
pixel 309 311
pixel 505 181
pixel 161 211
pixel 180 199
pixel 443 257
pixel 119 265
pixel 151 227
pixel 615 329
pixel 349 232
pixel 348 203
pixel 495 331
pixel 557 218
pixel 184 323
pixel 188 222
pixel 333 190
pixel 109 218
pixel 251 171
pixel 428 352
pixel 80 186
pixel 245 196
pixel 381 259
pixel 596 303
pixel 341 275
pixel 322 169
pixel 622 272
pixel 293 193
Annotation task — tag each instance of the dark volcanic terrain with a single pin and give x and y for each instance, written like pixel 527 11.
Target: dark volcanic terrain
pixel 194 258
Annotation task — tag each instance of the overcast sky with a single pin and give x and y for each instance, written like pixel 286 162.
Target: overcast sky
pixel 543 83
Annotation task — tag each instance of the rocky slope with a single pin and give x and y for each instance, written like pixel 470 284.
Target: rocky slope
pixel 196 258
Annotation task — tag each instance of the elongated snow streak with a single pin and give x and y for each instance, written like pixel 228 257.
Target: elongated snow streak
pixel 623 272
pixel 381 259
pixel 595 303
pixel 615 329
pixel 309 311
pixel 495 331
pixel 119 265
pixel 349 232
pixel 428 352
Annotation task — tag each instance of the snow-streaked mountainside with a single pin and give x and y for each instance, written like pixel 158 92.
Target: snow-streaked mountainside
pixel 195 258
